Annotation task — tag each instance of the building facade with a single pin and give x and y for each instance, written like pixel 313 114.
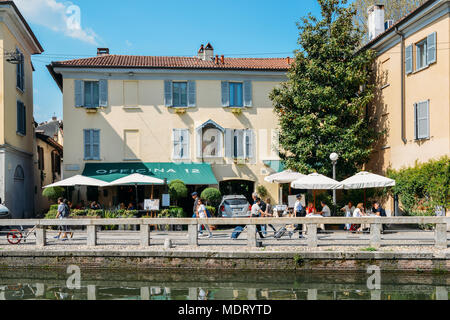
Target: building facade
pixel 48 157
pixel 18 43
pixel 207 120
pixel 413 87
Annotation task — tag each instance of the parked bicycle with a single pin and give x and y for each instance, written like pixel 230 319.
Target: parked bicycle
pixel 16 236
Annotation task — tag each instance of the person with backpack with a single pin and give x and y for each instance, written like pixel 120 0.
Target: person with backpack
pixel 299 211
pixel 63 213
pixel 202 214
pixel 257 212
pixel 379 211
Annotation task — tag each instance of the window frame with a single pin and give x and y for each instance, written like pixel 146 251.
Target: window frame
pixel 416 120
pixel 21 121
pixel 178 104
pixel 231 88
pixel 85 102
pixel 418 45
pixel 20 72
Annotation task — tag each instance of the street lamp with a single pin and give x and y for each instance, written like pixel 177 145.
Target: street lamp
pixel 334 158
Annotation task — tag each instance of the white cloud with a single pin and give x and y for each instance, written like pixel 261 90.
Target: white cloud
pixel 57 16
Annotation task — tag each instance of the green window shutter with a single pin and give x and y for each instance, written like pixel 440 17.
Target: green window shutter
pixel 409 59
pixel 79 93
pixel 24 119
pixel 168 100
pixel 225 94
pixel 247 93
pixel 431 48
pixel 103 89
pixel 191 90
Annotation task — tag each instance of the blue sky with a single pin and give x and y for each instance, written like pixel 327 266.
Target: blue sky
pixel 148 27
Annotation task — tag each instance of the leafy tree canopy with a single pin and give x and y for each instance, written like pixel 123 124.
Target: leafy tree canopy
pixel 323 107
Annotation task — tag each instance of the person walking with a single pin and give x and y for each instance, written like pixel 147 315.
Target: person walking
pixel 257 212
pixel 299 211
pixel 63 213
pixel 201 213
pixel 268 213
pixel 379 211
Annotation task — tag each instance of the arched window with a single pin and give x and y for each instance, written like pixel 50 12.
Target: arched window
pixel 18 173
pixel 210 140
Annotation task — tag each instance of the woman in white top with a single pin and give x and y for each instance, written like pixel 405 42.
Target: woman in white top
pixel 359 212
pixel 201 213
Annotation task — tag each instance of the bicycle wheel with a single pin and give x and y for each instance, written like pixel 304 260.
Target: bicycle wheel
pixel 14 237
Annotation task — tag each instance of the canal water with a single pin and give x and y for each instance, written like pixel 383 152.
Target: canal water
pixel 198 285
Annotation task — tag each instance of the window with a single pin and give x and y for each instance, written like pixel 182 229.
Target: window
pixel 20 71
pixel 91 144
pixel 91 94
pixel 40 151
pixel 236 94
pixel 209 140
pixel 421 54
pixel 19 173
pixel 180 144
pixel 422 120
pixel 21 119
pixel 242 143
pixel 180 94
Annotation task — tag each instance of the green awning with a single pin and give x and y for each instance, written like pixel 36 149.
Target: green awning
pixel 276 165
pixel 189 173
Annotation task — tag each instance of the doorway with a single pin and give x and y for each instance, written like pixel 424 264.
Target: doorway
pixel 237 187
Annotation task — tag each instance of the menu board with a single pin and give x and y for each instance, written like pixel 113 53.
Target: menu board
pixel 151 205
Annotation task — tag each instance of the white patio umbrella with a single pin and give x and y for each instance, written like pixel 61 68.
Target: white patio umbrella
pixel 78 180
pixel 364 180
pixel 316 181
pixel 136 179
pixel 286 176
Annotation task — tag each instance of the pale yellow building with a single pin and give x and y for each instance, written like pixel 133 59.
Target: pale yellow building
pixel 47 160
pixel 207 120
pixel 413 86
pixel 17 43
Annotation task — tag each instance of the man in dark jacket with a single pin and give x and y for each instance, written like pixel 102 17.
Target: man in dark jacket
pixel 379 211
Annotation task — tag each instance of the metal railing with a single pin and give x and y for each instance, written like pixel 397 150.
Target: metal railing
pixel 311 223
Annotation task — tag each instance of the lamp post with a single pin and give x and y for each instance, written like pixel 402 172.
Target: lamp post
pixel 334 157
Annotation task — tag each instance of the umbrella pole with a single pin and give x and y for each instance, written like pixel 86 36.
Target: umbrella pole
pixel 314 197
pixel 136 195
pixel 152 191
pixel 364 198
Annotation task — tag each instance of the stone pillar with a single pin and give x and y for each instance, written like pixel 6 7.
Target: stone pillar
pixel 251 235
pixel 251 294
pixel 41 236
pixel 375 294
pixel 312 294
pixel 145 235
pixel 375 235
pixel 193 294
pixel 40 290
pixel 192 235
pixel 145 293
pixel 312 235
pixel 440 236
pixel 441 293
pixel 91 292
pixel 91 235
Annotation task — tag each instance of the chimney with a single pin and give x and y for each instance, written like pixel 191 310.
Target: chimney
pixel 288 60
pixel 216 60
pixel 102 51
pixel 222 59
pixel 375 20
pixel 201 53
pixel 209 52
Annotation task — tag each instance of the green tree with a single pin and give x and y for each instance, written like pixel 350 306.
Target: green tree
pixel 212 196
pixel 393 10
pixel 322 108
pixel 53 193
pixel 177 190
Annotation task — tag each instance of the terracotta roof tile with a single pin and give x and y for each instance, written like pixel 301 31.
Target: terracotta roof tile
pixel 124 61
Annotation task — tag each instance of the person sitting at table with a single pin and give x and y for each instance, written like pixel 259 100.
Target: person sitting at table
pixel 131 206
pixel 122 206
pixel 95 206
pixel 326 212
pixel 359 212
pixel 310 208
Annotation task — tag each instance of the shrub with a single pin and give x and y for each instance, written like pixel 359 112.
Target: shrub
pixel 53 193
pixel 54 207
pixel 212 210
pixel 94 213
pixel 262 191
pixel 212 196
pixel 176 212
pixel 177 190
pixel 78 212
pixel 423 187
pixel 51 214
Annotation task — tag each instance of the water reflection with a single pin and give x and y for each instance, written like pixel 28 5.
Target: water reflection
pixel 240 286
